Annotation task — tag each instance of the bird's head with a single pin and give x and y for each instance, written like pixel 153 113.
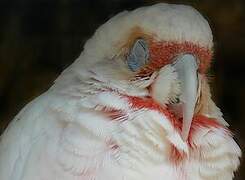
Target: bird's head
pixel 160 52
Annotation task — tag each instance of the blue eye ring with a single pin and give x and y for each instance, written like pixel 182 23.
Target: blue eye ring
pixel 138 55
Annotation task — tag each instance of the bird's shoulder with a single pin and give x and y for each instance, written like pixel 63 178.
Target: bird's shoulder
pixel 62 132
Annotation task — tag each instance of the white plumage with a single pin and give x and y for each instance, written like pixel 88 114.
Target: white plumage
pixel 101 121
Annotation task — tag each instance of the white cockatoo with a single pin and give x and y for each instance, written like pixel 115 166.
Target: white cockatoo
pixel 136 105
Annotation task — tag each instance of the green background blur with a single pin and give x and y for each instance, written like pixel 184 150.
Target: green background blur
pixel 40 38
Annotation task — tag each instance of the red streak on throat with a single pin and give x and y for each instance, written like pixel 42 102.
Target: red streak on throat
pixel 199 121
pixel 137 103
pixel 149 103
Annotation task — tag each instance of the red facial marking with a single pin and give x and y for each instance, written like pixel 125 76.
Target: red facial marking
pixel 197 122
pixel 203 121
pixel 162 53
pixel 149 103
pixel 137 103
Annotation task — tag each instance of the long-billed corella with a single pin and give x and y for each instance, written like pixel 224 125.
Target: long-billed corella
pixel 135 105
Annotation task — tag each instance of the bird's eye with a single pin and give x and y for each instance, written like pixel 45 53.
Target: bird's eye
pixel 138 55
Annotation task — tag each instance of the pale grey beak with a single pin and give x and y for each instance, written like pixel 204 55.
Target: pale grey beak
pixel 186 66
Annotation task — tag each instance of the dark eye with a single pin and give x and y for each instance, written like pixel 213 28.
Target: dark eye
pixel 138 55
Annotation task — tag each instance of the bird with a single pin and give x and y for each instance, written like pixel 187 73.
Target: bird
pixel 135 105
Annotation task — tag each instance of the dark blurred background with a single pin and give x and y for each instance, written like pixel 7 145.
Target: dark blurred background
pixel 40 38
